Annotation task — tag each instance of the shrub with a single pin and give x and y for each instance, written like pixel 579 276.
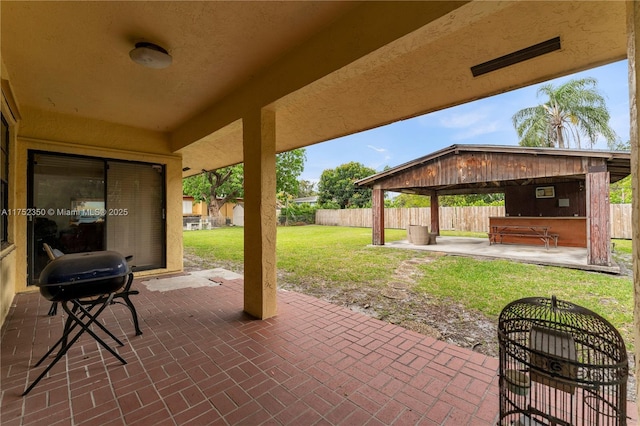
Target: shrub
pixel 298 214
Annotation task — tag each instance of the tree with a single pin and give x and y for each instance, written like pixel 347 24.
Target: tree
pixel 337 188
pixel 620 146
pixel 217 187
pixel 411 200
pixel 306 188
pixel 494 199
pixel 621 192
pixel 298 213
pixel 289 166
pixel 573 109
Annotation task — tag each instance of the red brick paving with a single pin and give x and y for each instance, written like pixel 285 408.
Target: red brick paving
pixel 202 361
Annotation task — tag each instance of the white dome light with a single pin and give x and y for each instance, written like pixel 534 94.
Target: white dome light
pixel 150 55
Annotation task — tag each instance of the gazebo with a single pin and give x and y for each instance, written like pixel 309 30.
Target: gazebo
pixel 566 187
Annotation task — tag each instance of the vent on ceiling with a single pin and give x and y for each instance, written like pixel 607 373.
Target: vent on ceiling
pixel 518 56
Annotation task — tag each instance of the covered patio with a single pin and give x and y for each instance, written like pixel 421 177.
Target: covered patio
pixel 202 361
pixel 248 80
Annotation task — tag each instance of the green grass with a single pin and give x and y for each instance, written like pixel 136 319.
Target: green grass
pixel 222 244
pixel 622 246
pixel 326 254
pixel 343 258
pixel 487 286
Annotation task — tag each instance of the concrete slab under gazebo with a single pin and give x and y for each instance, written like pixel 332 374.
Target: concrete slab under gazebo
pixel 564 190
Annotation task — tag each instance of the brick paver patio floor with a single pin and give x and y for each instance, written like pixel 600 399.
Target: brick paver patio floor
pixel 202 361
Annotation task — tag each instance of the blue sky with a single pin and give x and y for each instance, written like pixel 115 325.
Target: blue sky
pixel 486 122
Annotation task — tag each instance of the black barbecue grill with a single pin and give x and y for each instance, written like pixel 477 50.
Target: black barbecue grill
pixel 80 275
pixel 71 280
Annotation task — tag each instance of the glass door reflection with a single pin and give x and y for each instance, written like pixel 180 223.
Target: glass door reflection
pixel 68 197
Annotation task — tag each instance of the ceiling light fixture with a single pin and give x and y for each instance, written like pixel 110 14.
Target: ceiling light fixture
pixel 150 55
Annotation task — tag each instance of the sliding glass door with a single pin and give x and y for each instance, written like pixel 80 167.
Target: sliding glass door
pixel 83 204
pixel 63 189
pixel 135 220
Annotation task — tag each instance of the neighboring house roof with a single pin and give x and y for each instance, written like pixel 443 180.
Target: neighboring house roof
pixel 308 200
pixel 464 169
pixel 237 200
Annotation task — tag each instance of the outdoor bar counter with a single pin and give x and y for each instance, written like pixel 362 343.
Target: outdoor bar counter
pixel 571 231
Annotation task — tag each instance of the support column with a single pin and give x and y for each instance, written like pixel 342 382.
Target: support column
pixel 259 144
pixel 377 209
pixel 633 43
pixel 598 217
pixel 435 213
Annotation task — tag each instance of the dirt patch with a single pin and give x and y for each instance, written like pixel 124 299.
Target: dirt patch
pixel 191 262
pixel 396 303
pixel 625 262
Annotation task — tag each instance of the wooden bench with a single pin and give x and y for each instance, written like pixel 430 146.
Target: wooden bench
pixel 499 232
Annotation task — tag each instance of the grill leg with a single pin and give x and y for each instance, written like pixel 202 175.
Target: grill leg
pixel 129 304
pixel 71 323
pixel 93 319
pixel 68 330
pixel 86 313
pixel 134 313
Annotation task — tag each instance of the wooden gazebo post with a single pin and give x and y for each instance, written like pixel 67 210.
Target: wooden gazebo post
pixel 598 216
pixel 377 207
pixel 435 213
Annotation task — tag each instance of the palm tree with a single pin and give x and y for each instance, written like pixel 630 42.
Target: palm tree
pixel 573 109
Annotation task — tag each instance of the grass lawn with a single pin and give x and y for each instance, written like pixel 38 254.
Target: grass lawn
pixel 622 246
pixel 343 258
pixel 326 254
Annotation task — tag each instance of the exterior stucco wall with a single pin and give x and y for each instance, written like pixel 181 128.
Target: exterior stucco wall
pixel 7 278
pixel 39 124
pixel 64 134
pixel 8 253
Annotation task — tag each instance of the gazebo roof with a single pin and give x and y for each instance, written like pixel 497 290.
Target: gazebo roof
pixel 465 169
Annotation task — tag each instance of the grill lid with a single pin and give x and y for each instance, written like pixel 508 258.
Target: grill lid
pixel 82 267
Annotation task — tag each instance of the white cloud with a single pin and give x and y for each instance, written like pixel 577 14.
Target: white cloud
pixel 376 149
pixel 478 130
pixel 459 117
pixel 462 120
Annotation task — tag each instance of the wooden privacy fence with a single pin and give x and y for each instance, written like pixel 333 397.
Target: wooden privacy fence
pixel 621 221
pixel 472 219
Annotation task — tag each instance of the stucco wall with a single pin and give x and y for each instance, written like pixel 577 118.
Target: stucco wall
pixel 8 253
pixel 7 279
pixel 60 133
pixel 64 134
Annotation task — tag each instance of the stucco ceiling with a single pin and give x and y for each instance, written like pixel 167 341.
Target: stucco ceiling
pixel 73 57
pixel 327 68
